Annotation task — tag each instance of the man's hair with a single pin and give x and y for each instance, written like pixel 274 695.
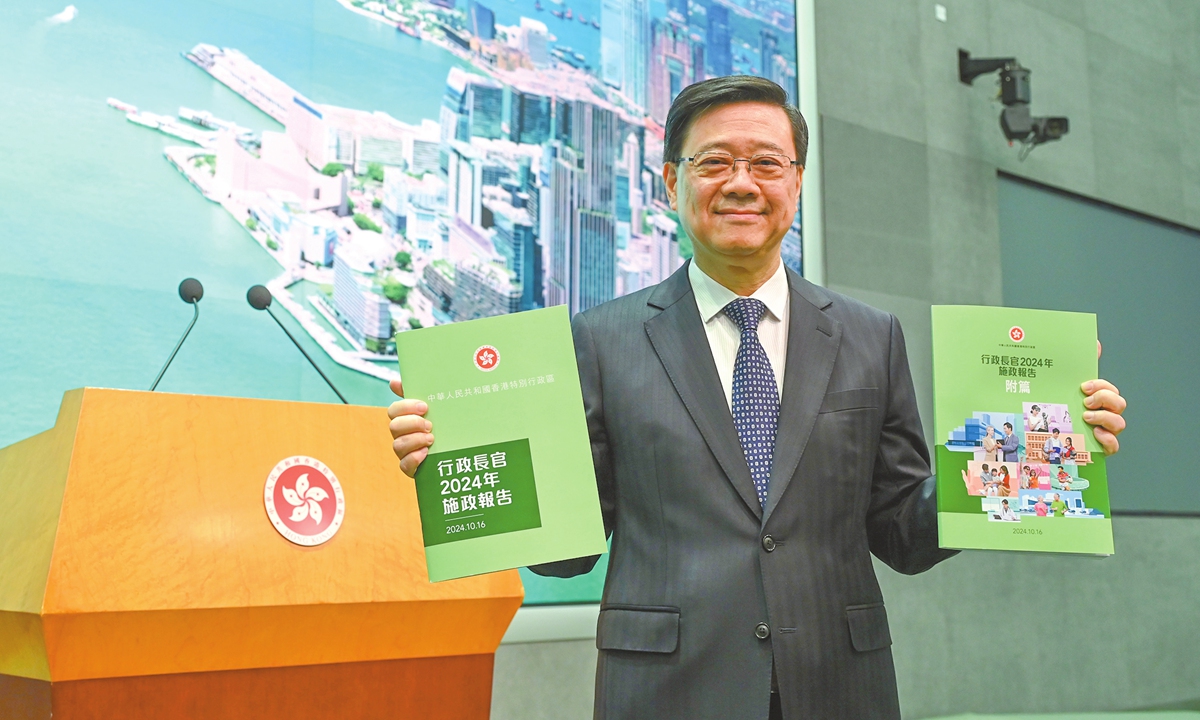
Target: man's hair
pixel 985 467
pixel 695 100
pixel 1054 430
pixel 1008 425
pixel 1035 407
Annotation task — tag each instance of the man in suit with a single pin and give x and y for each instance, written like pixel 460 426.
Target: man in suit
pixel 1010 445
pixel 755 440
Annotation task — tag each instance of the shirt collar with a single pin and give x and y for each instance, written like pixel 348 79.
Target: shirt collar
pixel 712 296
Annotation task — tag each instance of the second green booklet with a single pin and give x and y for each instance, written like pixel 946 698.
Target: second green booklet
pixel 1017 467
pixel 509 480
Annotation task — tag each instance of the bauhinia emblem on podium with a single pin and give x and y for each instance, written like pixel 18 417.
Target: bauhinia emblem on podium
pixel 304 500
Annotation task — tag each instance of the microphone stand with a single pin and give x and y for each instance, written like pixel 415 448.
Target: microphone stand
pixel 307 357
pixel 195 317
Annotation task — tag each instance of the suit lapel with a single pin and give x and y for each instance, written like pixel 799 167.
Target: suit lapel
pixel 813 341
pixel 678 337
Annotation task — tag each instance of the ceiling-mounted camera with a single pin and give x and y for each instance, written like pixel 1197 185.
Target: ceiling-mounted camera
pixel 1015 93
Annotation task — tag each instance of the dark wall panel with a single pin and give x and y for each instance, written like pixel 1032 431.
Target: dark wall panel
pixel 1140 277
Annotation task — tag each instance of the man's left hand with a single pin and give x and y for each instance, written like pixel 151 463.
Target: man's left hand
pixel 1104 407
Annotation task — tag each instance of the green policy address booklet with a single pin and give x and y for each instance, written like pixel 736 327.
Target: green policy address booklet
pixel 1017 468
pixel 509 480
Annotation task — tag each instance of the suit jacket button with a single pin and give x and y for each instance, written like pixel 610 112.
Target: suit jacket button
pixel 768 543
pixel 762 632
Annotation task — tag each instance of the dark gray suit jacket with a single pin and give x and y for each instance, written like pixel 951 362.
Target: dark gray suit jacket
pixel 1009 447
pixel 697 565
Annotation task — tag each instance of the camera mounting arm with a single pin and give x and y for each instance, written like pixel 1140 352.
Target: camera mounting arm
pixel 1017 123
pixel 970 68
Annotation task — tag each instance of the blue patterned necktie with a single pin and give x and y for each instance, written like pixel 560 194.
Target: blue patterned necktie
pixel 755 394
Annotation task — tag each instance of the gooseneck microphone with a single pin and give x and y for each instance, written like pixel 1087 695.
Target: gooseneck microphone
pixel 190 291
pixel 260 299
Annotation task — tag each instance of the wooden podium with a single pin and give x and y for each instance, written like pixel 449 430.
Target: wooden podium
pixel 141 576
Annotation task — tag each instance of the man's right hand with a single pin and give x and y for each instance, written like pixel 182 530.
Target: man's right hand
pixel 411 433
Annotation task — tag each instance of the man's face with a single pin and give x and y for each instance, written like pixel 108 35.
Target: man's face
pixel 736 217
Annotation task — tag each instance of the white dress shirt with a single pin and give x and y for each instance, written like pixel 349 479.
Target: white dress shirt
pixel 724 337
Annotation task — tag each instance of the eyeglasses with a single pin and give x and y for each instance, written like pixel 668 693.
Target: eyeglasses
pixel 718 165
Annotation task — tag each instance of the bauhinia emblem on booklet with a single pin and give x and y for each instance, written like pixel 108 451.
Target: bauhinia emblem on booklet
pixel 509 480
pixel 1017 468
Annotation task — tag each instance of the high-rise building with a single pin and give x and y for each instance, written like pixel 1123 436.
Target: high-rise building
pixel 561 122
pixel 623 209
pixel 485 105
pixel 720 55
pixel 636 45
pixel 775 67
pixel 358 300
pixel 594 135
pixel 472 106
pixel 513 239
pixel 672 66
pixel 594 263
pixel 529 117
pixel 535 41
pixel 612 42
pixel 783 73
pixel 482 20
pixel 559 216
pixel 768 48
pixel 526 191
pixel 625 46
pixel 464 182
pixel 698 46
pixel 452 113
pixel 497 171
pixel 664 248
pixel 631 164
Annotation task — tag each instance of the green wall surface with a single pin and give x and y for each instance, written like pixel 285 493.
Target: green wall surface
pixel 1139 277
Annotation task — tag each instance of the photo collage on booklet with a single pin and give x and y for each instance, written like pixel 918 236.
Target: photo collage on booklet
pixel 1025 463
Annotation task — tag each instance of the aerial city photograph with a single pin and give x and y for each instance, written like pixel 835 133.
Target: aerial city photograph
pixel 536 182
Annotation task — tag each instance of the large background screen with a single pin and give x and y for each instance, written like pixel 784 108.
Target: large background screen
pixel 379 166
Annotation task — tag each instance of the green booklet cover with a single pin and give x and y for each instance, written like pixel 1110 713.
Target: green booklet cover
pixel 509 480
pixel 1017 468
